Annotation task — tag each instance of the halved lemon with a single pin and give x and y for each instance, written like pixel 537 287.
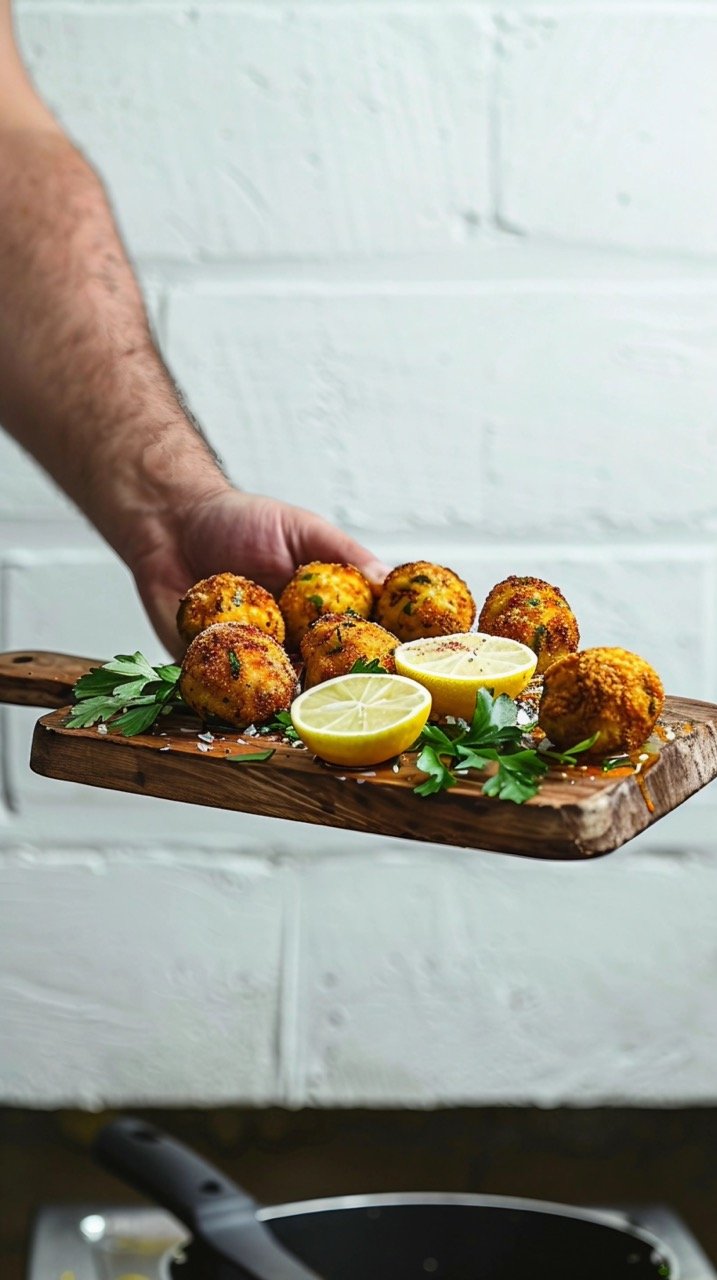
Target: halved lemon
pixel 359 720
pixel 454 668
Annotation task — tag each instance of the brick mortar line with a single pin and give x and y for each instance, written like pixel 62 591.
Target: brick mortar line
pixel 283 290
pixel 522 261
pixel 691 545
pixel 335 8
pixel 710 621
pixel 622 269
pixel 6 811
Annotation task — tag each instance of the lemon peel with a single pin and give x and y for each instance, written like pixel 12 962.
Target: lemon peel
pixel 453 668
pixel 356 720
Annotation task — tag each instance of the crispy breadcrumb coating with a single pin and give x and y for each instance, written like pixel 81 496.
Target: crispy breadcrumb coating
pixel 227 597
pixel 237 674
pixel 423 599
pixel 611 692
pixel 535 613
pixel 336 641
pixel 319 588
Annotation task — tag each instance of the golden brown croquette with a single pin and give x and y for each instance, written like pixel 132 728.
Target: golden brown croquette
pixel 424 599
pixel 535 613
pixel 237 674
pixel 610 692
pixel 319 588
pixel 336 641
pixel 227 597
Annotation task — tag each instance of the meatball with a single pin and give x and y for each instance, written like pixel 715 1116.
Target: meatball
pixel 336 641
pixel 319 588
pixel 237 674
pixel 227 597
pixel 536 614
pixel 610 692
pixel 424 599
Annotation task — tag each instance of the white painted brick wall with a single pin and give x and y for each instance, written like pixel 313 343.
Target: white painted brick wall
pixel 456 398
pixel 606 123
pixel 445 272
pixel 255 131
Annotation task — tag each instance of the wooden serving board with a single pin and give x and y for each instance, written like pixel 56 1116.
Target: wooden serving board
pixel 578 813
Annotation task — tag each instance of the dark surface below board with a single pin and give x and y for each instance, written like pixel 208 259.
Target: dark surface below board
pixel 595 1156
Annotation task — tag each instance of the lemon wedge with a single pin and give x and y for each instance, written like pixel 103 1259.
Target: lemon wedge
pixel 357 720
pixel 454 668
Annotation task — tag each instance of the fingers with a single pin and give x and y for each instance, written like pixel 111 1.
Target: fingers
pixel 371 568
pixel 161 609
pixel 376 571
pixel 316 539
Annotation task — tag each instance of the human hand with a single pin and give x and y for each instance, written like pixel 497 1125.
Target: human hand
pixel 259 537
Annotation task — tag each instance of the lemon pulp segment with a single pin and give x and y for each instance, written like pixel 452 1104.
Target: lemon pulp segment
pixel 358 720
pixel 453 668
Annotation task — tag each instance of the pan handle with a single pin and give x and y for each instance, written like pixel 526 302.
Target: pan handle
pixel 167 1172
pixel 221 1215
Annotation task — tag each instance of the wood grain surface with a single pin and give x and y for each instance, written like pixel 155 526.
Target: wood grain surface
pixel 33 678
pixel 578 813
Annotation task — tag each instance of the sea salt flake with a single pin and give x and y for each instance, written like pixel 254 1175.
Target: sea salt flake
pixel 102 728
pixel 206 737
pixel 165 748
pixel 203 746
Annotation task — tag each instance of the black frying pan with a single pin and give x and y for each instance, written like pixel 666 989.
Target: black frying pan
pixel 402 1237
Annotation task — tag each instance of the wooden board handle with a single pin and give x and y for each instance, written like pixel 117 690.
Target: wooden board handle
pixel 34 678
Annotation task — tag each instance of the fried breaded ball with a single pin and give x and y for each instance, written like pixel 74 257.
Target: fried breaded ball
pixel 424 599
pixel 318 588
pixel 610 692
pixel 535 613
pixel 336 641
pixel 237 674
pixel 227 597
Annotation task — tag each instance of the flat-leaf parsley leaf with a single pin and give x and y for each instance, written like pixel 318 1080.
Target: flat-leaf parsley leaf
pixel 492 737
pixel 127 692
pixel 367 667
pixel 252 757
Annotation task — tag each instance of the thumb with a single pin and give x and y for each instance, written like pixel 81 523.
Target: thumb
pixel 321 540
pixel 375 570
pixel 372 568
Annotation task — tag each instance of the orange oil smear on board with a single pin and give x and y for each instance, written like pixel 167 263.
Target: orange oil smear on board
pixel 644 760
pixel 639 763
pixel 597 771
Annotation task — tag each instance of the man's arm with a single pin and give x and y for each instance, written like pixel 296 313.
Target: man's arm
pixel 84 389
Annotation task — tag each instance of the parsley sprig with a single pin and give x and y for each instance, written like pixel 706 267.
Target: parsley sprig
pixel 281 723
pixel 126 692
pixel 492 737
pixel 368 667
pixel 252 757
